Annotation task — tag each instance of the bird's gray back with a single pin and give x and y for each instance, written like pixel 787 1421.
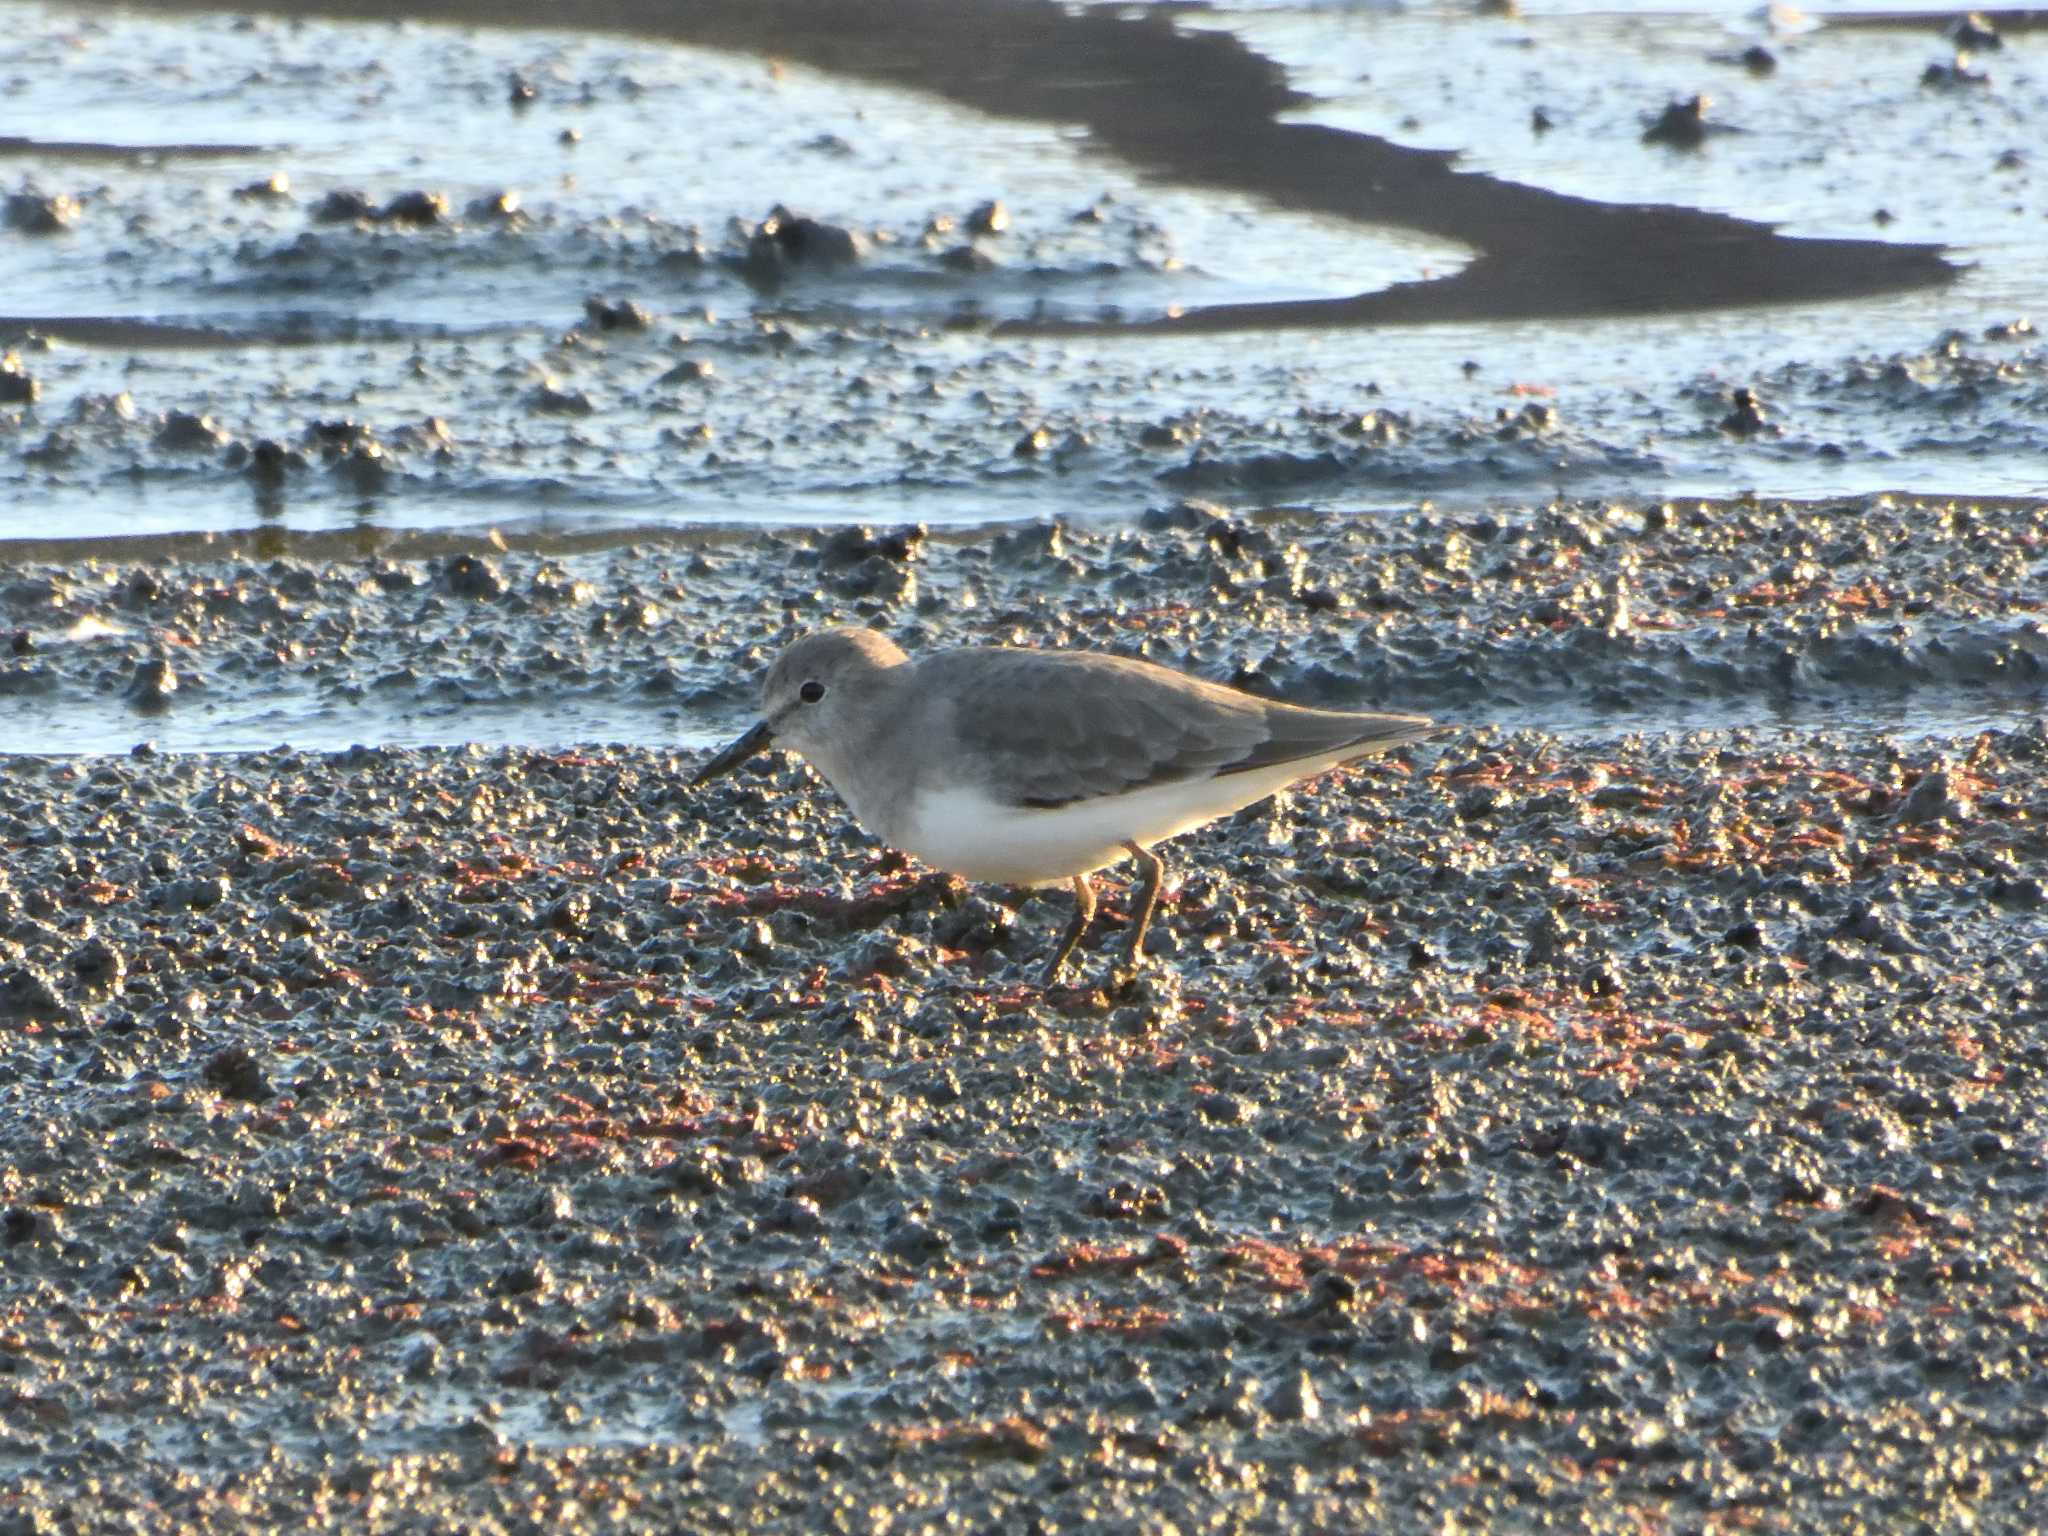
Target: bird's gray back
pixel 1046 728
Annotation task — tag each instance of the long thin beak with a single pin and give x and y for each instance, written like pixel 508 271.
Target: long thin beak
pixel 759 739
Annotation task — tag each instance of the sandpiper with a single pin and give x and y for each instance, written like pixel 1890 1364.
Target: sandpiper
pixel 1030 767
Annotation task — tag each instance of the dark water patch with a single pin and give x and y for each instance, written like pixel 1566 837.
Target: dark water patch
pixel 1577 268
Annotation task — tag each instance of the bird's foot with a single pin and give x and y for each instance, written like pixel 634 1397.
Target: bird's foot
pixel 1123 976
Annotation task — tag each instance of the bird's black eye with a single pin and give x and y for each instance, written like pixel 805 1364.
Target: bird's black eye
pixel 811 692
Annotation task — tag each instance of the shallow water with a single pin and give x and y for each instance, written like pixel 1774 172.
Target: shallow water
pixel 879 390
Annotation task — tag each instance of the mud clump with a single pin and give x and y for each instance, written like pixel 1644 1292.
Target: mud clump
pixel 1745 416
pixel 418 209
pixel 784 245
pixel 616 314
pixel 550 398
pixel 17 385
pixel 37 213
pixel 1683 124
pixel 154 685
pixel 468 576
pixel 1954 74
pixel 189 432
pixel 275 188
pixel 235 1072
pixel 1974 33
pixel 344 206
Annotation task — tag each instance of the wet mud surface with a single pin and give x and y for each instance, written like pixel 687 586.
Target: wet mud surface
pixel 1639 1131
pixel 1634 1128
pixel 1911 615
pixel 1629 1113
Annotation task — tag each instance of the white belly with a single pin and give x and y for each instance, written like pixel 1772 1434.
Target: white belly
pixel 966 832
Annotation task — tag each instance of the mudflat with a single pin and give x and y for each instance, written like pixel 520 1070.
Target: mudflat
pixel 1626 1113
pixel 1629 1129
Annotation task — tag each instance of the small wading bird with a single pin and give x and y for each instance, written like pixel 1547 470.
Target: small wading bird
pixel 1022 767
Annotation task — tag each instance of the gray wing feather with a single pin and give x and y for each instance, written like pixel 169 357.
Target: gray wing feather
pixel 1052 727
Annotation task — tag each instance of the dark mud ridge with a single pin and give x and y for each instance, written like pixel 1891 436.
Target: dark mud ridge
pixel 1639 1131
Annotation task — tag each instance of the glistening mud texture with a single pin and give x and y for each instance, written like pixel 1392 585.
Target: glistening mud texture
pixel 1644 1128
pixel 1554 1127
pixel 1916 615
pixel 699 420
pixel 1633 1134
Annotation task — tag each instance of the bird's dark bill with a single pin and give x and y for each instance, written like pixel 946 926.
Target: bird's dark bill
pixel 756 740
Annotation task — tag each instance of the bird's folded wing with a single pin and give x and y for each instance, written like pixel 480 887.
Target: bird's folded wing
pixel 1052 728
